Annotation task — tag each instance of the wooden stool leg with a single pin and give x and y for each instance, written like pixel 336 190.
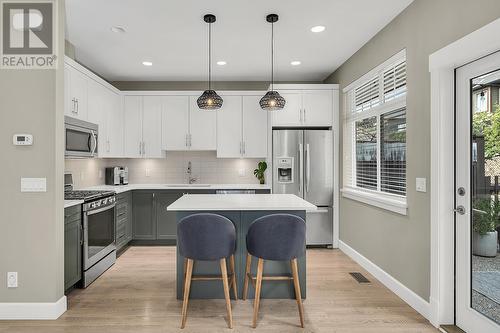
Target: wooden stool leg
pixel 233 272
pixel 296 284
pixel 260 268
pixel 226 291
pixel 187 286
pixel 247 271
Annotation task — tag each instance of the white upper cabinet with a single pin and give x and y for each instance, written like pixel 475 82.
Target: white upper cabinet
pixel 76 93
pixel 96 113
pixel 241 128
pixel 114 125
pixel 142 126
pixel 202 127
pixel 305 108
pixel 254 128
pixel 151 126
pixel 229 127
pixel 175 123
pixel 317 107
pixel 291 114
pixel 132 126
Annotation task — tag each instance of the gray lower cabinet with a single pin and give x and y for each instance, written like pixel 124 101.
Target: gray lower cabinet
pixel 73 238
pixel 144 225
pixel 123 219
pixel 166 227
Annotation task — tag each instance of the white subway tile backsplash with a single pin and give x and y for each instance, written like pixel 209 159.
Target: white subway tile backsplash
pixel 206 167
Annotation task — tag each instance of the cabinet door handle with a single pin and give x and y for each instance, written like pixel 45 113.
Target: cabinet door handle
pixel 241 150
pixel 190 139
pixel 77 106
pixel 300 115
pixel 305 115
pixel 143 148
pixel 80 234
pixel 140 148
pixel 187 138
pixel 108 146
pixel 244 148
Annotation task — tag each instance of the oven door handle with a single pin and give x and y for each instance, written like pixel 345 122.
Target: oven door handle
pixel 100 210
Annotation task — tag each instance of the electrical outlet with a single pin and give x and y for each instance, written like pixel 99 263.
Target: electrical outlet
pixel 148 172
pixel 11 279
pixel 82 175
pixel 100 173
pixel 241 172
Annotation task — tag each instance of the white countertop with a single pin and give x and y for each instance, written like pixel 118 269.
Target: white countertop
pixel 130 187
pixel 71 203
pixel 204 202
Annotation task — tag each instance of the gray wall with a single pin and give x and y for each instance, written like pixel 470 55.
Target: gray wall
pixel 32 226
pixel 398 244
pixel 194 85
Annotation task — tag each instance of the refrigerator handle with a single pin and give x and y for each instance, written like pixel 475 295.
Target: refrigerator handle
pixel 301 167
pixel 308 167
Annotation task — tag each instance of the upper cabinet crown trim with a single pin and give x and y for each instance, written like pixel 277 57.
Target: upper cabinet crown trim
pixel 191 92
pixel 314 86
pixel 82 69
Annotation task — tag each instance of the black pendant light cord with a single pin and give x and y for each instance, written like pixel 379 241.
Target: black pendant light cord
pixel 272 56
pixel 209 56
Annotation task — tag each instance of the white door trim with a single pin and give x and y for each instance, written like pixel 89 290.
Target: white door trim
pixel 442 65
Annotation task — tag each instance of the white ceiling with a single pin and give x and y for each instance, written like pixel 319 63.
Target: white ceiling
pixel 172 34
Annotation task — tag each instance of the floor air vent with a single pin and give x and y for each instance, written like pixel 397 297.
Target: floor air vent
pixel 359 277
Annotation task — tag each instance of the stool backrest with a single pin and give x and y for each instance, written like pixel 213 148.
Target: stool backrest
pixel 206 236
pixel 277 237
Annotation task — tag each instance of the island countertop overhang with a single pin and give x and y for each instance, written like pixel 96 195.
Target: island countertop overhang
pixel 241 202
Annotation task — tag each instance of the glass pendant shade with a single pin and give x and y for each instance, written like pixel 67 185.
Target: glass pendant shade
pixel 209 100
pixel 272 101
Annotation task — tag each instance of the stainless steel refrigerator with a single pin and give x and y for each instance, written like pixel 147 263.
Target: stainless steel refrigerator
pixel 303 165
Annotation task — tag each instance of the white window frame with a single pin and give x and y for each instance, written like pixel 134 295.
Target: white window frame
pixel 388 201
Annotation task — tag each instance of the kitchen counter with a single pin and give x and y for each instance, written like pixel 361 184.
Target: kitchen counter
pixel 71 203
pixel 130 187
pixel 240 202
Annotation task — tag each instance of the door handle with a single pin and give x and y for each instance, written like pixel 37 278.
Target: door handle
pixel 80 235
pixel 308 164
pixel 301 167
pixel 77 105
pixel 460 210
pixel 305 115
pixel 143 148
pixel 244 148
pixel 140 148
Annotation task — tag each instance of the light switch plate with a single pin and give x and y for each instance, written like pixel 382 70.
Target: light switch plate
pixel 421 184
pixel 11 279
pixel 33 184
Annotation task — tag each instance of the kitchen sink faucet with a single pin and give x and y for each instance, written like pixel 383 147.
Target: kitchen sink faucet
pixel 191 179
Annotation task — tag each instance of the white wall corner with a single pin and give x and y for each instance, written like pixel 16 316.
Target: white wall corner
pixel 411 298
pixel 33 311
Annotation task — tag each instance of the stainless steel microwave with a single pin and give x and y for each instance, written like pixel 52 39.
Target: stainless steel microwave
pixel 80 138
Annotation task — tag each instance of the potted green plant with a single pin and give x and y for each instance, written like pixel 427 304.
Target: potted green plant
pixel 486 220
pixel 260 172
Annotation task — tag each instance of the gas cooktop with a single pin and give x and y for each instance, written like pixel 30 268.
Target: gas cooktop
pixel 87 195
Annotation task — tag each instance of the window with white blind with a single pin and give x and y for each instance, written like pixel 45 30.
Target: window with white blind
pixel 375 136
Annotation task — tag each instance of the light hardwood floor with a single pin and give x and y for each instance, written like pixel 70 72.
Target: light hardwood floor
pixel 138 295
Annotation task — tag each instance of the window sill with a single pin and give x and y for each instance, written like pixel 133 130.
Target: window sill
pixel 388 202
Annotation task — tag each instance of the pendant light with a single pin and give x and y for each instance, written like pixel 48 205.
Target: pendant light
pixel 272 100
pixel 209 100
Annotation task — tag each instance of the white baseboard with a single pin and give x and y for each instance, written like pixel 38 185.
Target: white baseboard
pixel 32 311
pixel 413 300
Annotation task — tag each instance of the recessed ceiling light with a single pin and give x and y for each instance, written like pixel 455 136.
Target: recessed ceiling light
pixel 295 63
pixel 147 63
pixel 221 63
pixel 318 28
pixel 117 29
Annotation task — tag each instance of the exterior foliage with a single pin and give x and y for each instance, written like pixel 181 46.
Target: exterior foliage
pixel 488 125
pixel 486 215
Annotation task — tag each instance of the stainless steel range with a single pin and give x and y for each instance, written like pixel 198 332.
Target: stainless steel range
pixel 99 247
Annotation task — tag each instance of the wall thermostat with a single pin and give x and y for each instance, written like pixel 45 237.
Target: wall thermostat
pixel 22 139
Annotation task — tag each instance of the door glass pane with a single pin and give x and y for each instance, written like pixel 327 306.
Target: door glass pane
pixel 485 172
pixel 366 153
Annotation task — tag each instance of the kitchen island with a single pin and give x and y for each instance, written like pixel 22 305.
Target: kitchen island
pixel 242 210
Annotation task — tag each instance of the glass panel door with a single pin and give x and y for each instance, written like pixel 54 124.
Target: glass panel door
pixel 477 196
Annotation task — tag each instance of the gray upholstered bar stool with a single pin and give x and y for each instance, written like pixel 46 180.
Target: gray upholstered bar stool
pixel 278 237
pixel 207 236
